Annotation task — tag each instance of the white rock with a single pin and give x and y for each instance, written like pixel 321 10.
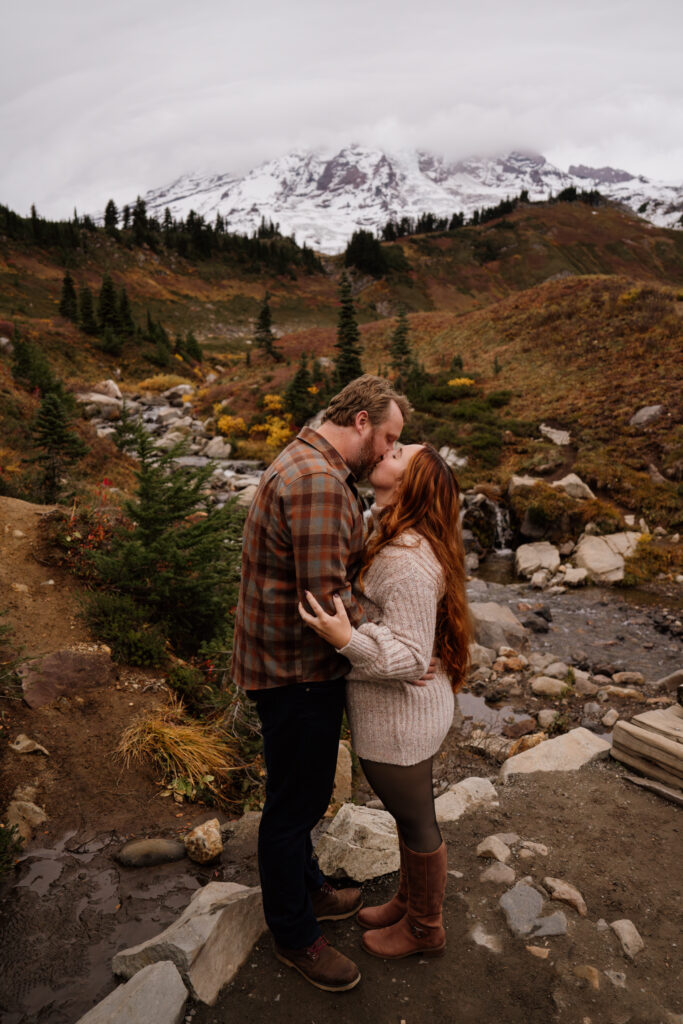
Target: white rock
pixel 561 754
pixel 108 387
pixel 100 400
pixel 629 678
pixel 481 656
pixel 539 662
pixel 575 577
pixel 531 557
pixel 204 843
pixel 558 437
pixel 546 686
pixel 566 893
pixel 648 414
pixel 517 483
pixel 546 717
pixel 23 744
pixel 495 624
pixel 451 457
pixel 465 796
pixel 557 670
pixel 498 874
pixel 495 849
pixel 361 843
pixel 208 943
pixel 628 936
pixel 156 995
pixel 603 557
pixel 574 486
pixel 479 935
pixel 540 848
pixel 246 496
pixel 341 792
pixel 218 448
pixel 539 580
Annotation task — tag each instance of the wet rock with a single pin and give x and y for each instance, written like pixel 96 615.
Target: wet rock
pixel 589 974
pixel 361 843
pixel 521 905
pixel 465 796
pixel 522 727
pixel 529 558
pixel 647 415
pixel 143 853
pixel 628 678
pixel 23 744
pixel 540 579
pixel 545 686
pixel 496 625
pixel 208 943
pixel 155 995
pixel 481 937
pixel 628 936
pixel 563 753
pixel 535 624
pixel 495 849
pixel 204 843
pixel 610 718
pixel 554 924
pixel 498 874
pixel 561 890
pixel 574 486
pixel 64 673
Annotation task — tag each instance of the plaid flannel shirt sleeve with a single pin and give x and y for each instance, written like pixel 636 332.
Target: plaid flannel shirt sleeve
pixel 321 511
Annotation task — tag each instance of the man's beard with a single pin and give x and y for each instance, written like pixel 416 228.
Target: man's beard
pixel 365 461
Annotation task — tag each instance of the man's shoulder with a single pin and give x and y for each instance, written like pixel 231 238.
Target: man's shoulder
pixel 301 462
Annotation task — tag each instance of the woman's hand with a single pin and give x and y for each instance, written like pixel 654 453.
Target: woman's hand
pixel 336 629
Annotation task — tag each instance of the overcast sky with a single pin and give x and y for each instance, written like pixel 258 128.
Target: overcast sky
pixel 100 100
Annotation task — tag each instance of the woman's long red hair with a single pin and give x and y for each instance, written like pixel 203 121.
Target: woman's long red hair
pixel 428 502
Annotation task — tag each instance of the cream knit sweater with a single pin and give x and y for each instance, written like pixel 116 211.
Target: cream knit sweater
pixel 391 720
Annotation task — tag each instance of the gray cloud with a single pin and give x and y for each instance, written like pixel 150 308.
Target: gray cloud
pixel 109 101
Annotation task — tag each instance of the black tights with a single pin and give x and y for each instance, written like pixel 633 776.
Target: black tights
pixel 406 792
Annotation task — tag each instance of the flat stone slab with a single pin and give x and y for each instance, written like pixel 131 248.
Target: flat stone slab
pixel 156 995
pixel 143 853
pixel 361 843
pixel 522 906
pixel 465 796
pixel 64 673
pixel 561 754
pixel 208 943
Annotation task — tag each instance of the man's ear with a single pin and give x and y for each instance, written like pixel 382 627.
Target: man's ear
pixel 362 420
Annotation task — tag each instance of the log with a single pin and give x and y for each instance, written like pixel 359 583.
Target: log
pixel 667 722
pixel 652 771
pixel 648 744
pixel 675 796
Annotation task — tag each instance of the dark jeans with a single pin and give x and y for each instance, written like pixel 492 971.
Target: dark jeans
pixel 300 726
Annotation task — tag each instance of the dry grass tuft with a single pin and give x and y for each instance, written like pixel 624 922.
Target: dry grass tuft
pixel 185 749
pixel 162 382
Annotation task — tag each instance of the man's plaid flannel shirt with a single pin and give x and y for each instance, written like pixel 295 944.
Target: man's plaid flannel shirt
pixel 304 532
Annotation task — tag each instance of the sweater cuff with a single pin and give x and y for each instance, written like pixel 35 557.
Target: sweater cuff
pixel 359 648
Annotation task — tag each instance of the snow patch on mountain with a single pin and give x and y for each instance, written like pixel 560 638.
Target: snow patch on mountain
pixel 322 199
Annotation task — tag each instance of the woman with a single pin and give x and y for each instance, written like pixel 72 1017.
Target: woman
pixel 412 588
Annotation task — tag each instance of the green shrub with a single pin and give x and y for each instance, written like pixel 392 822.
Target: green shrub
pixel 497 399
pixel 122 623
pixel 646 563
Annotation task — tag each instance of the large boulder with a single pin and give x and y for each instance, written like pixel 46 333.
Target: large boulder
pixel 561 754
pixel 208 943
pixel 361 843
pixel 495 625
pixel 64 673
pixel 603 557
pixel 529 558
pixel 218 448
pixel 156 995
pixel 574 486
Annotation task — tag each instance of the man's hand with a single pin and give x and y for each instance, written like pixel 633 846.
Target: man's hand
pixel 336 629
pixel 429 674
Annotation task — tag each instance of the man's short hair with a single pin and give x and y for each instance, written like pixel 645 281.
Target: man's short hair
pixel 369 393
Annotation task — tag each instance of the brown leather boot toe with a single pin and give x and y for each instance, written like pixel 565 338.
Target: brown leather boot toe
pixel 321 965
pixel 330 904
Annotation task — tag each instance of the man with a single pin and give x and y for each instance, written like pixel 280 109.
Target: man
pixel 304 532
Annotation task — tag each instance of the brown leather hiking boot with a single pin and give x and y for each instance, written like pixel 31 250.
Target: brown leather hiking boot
pixel 322 965
pixel 330 904
pixel 391 912
pixel 421 929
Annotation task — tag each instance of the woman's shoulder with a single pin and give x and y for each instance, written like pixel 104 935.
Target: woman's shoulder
pixel 415 554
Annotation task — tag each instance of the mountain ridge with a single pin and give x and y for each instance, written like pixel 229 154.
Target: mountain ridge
pixel 322 199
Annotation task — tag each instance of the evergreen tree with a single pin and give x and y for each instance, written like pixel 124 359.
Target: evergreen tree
pixel 68 303
pixel 58 445
pixel 125 315
pixel 139 221
pixel 31 368
pixel 108 305
pixel 111 217
pixel 111 342
pixel 347 364
pixel 264 337
pixel 365 252
pixel 192 347
pixel 86 311
pixel 300 403
pixel 126 217
pixel 400 351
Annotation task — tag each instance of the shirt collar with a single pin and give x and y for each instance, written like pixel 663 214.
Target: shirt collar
pixel 322 445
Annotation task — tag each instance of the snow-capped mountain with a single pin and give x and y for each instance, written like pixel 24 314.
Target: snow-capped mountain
pixel 322 199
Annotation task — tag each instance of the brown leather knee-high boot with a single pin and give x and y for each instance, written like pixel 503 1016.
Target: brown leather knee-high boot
pixel 420 930
pixel 393 911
